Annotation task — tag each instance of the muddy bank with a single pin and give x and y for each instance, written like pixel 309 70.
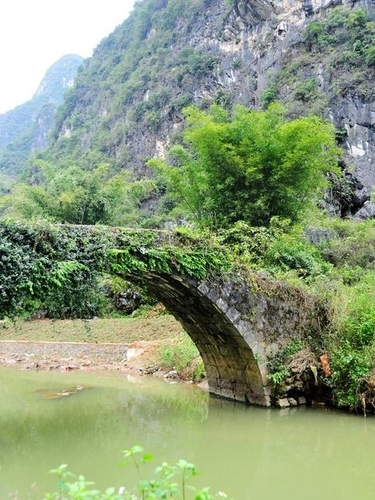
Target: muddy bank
pixel 137 357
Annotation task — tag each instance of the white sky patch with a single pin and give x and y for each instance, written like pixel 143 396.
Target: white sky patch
pixel 34 34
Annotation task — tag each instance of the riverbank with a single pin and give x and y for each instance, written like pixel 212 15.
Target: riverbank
pixel 130 345
pixel 66 356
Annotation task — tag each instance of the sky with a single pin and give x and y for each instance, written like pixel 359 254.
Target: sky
pixel 34 34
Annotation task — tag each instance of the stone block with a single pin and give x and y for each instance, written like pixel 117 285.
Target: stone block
pixel 292 402
pixel 222 305
pixel 212 372
pixel 233 314
pixel 203 288
pixel 301 400
pixel 246 329
pixel 283 403
pixel 366 212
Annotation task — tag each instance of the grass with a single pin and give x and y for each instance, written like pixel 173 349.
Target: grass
pixel 124 330
pixel 182 355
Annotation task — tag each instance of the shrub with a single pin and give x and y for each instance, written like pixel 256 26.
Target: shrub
pixel 277 363
pixel 350 368
pixel 291 253
pixel 252 167
pixel 268 97
pixel 183 357
pixel 351 343
pixel 304 91
pixel 370 56
pixel 169 481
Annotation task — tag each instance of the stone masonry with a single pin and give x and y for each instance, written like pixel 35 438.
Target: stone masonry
pixel 236 324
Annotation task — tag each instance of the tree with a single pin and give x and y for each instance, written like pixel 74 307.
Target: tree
pixel 76 196
pixel 250 167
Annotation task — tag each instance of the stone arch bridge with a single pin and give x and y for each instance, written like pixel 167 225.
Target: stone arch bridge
pixel 236 322
pixel 236 317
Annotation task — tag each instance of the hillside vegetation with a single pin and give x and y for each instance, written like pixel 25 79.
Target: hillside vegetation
pixel 26 128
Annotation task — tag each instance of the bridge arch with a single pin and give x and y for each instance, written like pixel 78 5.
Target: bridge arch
pixel 235 326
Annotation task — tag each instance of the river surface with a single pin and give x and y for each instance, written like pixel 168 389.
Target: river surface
pixel 250 453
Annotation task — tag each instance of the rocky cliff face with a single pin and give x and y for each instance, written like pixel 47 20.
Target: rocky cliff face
pixel 265 37
pixel 128 99
pixel 270 41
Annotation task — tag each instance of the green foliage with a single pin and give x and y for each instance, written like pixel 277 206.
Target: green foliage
pixel 293 252
pixel 356 321
pixel 138 77
pixel 341 40
pixel 304 91
pixel 251 244
pixel 43 267
pixel 184 358
pixel 197 62
pixel 351 29
pixel 182 101
pixel 169 481
pixel 60 268
pixel 350 369
pixel 25 127
pixel 268 97
pixel 354 246
pixel 370 56
pixel 314 32
pixel 350 341
pixel 76 196
pixel 139 255
pixel 133 83
pixel 252 167
pixel 16 270
pixel 361 324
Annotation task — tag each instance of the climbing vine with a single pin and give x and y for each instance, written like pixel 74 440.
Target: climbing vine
pixel 59 268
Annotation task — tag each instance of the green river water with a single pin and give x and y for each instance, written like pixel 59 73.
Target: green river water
pixel 250 453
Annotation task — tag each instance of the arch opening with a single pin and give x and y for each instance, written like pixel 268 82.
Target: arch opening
pixel 232 370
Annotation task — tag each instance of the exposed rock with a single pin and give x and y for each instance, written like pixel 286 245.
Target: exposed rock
pixel 360 196
pixel 318 235
pixel 283 403
pixel 128 301
pixel 366 212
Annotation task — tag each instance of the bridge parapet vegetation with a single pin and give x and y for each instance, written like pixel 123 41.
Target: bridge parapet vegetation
pixel 43 265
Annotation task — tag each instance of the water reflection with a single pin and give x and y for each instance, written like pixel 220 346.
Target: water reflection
pixel 246 451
